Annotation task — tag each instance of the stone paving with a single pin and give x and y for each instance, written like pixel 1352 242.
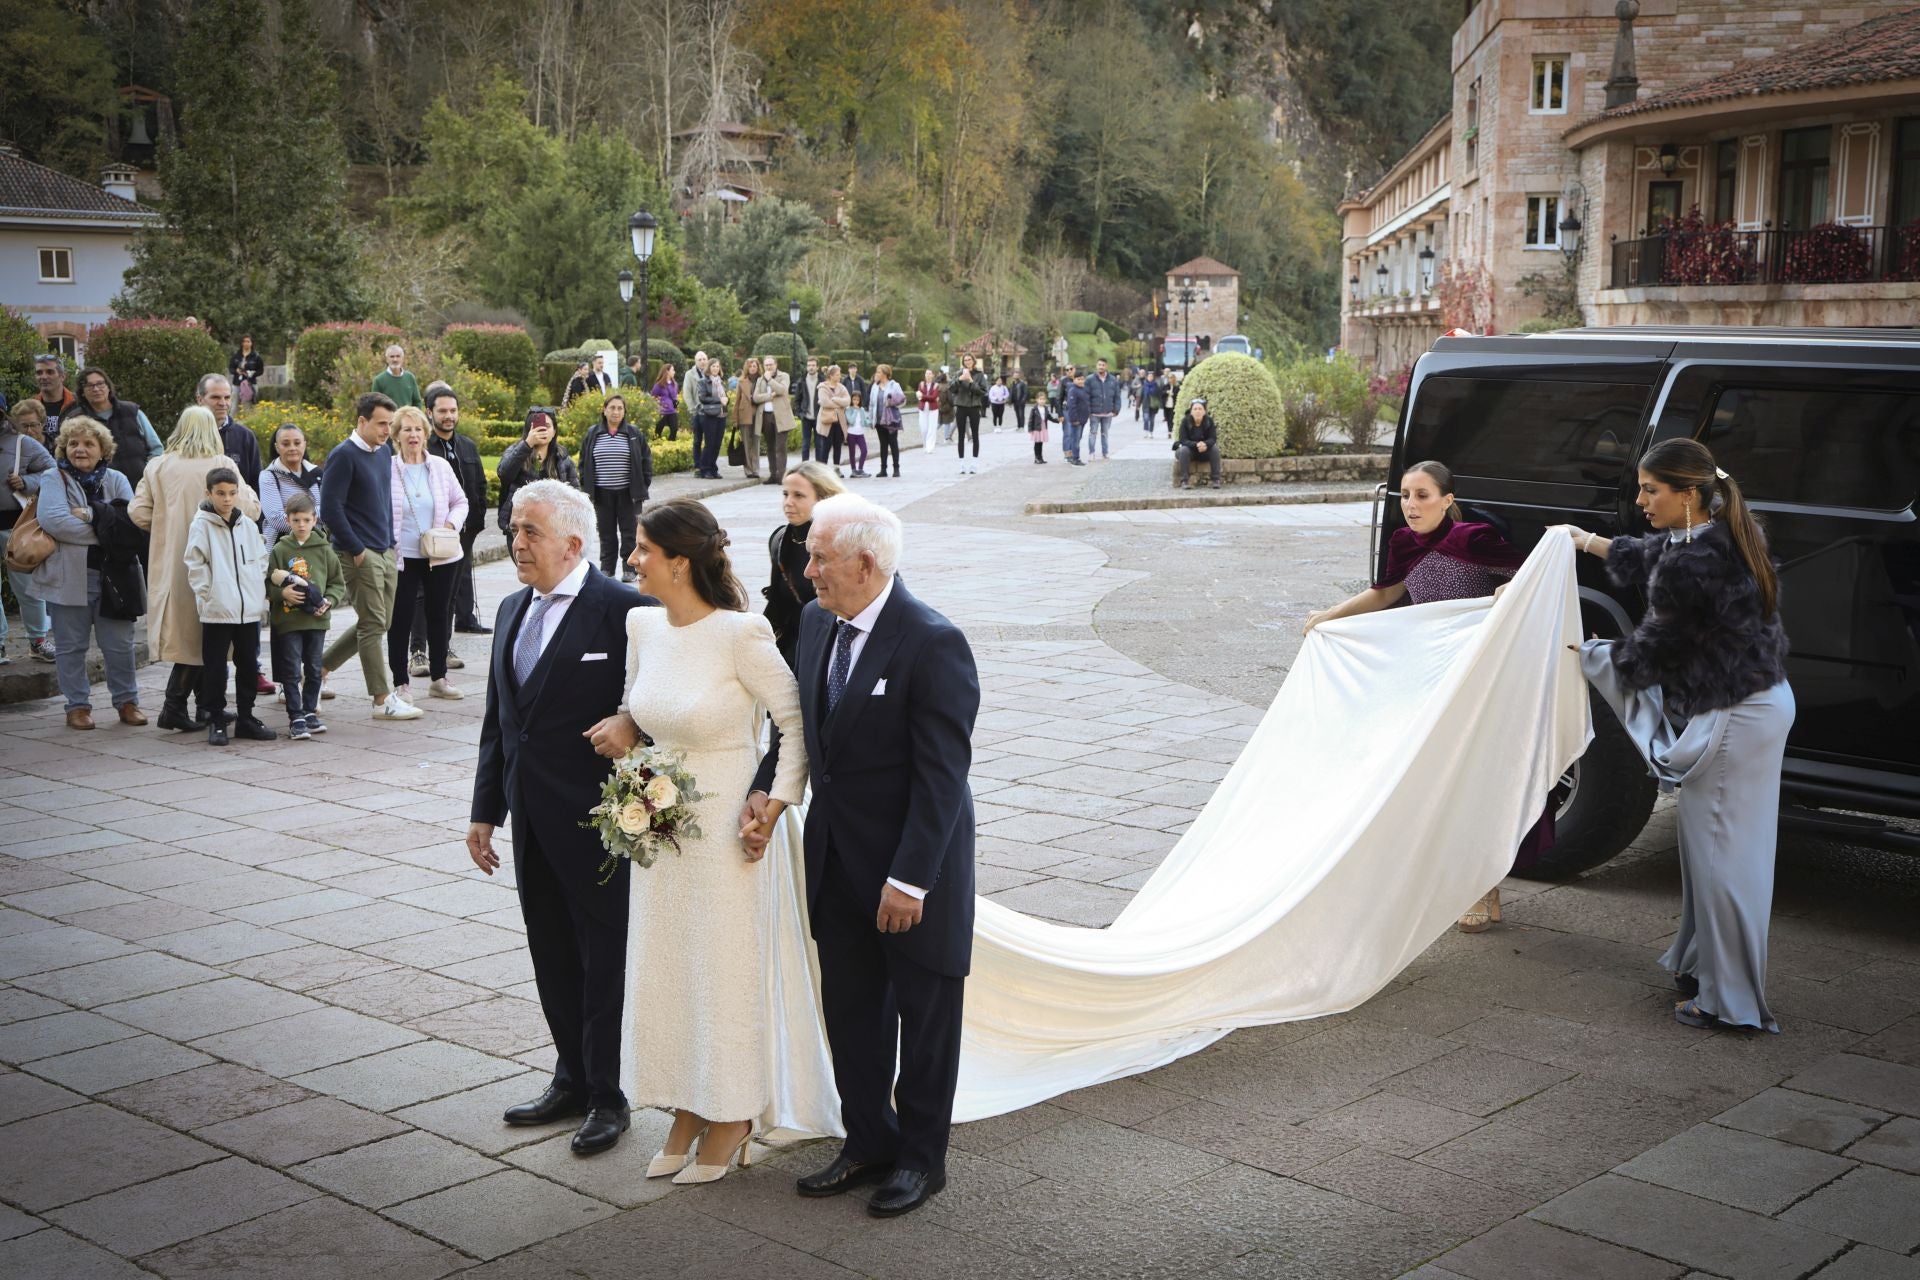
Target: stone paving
pixel 258 1015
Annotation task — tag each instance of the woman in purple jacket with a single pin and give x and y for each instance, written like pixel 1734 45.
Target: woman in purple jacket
pixel 666 394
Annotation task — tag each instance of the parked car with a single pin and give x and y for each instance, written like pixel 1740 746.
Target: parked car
pixel 1822 429
pixel 1237 343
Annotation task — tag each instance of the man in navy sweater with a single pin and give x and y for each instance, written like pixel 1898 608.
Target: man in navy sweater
pixel 356 501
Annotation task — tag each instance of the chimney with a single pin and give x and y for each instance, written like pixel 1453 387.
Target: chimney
pixel 1623 81
pixel 117 180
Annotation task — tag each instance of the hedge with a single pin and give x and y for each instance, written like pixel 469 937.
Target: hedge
pixel 1245 403
pixel 155 364
pixel 554 377
pixel 20 342
pixel 658 349
pixel 791 348
pixel 316 351
pixel 578 418
pixel 503 350
pixel 1112 330
pixel 1072 322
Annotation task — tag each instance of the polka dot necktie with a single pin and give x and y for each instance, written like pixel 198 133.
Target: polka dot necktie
pixel 842 664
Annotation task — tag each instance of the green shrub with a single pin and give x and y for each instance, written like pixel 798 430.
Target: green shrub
pixel 1113 332
pixel 789 347
pixel 481 394
pixel 1319 395
pixel 503 350
pixel 286 392
pixel 20 342
pixel 1072 322
pixel 578 418
pixel 318 350
pixel 658 349
pixel 154 363
pixel 592 345
pixel 324 428
pixel 1245 403
pixel 554 377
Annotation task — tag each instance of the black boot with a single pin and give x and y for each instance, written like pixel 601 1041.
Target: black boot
pixel 173 711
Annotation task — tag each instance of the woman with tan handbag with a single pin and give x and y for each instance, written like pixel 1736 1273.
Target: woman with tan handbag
pixel 22 457
pixel 831 424
pixel 429 506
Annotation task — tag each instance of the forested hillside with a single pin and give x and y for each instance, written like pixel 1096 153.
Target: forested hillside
pixel 978 163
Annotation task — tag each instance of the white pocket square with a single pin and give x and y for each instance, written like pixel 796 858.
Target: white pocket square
pixel 879 687
pixel 593 657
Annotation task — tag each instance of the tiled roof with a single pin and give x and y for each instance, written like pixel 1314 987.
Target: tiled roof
pixel 1882 49
pixel 37 191
pixel 1202 266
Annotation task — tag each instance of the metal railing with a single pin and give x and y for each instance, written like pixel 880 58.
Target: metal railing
pixel 1724 255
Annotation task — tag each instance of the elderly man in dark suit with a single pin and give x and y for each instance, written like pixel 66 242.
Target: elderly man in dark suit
pixel 553 727
pixel 888 694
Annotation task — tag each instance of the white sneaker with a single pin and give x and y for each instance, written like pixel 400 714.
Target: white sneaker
pixel 397 708
pixel 443 688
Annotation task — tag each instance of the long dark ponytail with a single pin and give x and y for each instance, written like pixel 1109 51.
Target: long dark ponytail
pixel 1688 464
pixel 684 527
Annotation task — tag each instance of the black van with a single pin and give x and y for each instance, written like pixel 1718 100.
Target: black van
pixel 1821 427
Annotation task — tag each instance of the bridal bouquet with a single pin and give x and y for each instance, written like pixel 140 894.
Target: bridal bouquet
pixel 646 804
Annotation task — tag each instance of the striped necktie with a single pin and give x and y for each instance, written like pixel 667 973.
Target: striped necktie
pixel 526 648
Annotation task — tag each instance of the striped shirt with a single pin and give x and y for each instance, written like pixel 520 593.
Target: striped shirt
pixel 611 458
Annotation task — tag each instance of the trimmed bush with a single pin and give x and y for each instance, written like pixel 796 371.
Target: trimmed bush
pixel 1112 331
pixel 482 394
pixel 592 345
pixel 1072 322
pixel 1244 401
pixel 323 427
pixel 20 342
pixel 154 363
pixel 503 350
pixel 554 377
pixel 318 350
pixel 578 418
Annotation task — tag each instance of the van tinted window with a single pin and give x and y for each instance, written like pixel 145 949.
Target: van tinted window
pixel 1528 429
pixel 1820 447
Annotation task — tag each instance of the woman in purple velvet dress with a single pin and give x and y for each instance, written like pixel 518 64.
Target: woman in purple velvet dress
pixel 1439 556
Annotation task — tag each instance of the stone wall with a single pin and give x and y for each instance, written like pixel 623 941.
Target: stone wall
pixel 1325 468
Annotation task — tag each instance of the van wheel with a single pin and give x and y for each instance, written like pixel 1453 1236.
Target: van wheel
pixel 1601 803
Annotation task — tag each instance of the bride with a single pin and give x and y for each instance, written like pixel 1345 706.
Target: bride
pixel 698 1038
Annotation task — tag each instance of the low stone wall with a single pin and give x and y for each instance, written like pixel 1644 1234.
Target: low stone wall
pixel 1322 468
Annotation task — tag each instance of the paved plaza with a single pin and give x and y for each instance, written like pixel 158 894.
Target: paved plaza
pixel 259 1015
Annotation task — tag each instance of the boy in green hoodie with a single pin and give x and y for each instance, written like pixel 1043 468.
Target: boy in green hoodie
pixel 308 584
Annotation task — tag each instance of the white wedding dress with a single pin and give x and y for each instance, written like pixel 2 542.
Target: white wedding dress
pixel 1342 843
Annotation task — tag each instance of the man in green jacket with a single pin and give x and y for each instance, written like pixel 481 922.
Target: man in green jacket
pixel 398 383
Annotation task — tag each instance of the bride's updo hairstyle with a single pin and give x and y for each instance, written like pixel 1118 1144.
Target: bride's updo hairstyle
pixel 684 527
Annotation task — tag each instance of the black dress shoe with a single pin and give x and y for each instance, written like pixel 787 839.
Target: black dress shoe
pixel 474 629
pixel 601 1129
pixel 555 1104
pixel 842 1175
pixel 904 1192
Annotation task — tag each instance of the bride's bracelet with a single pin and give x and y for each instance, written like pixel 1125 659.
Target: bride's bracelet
pixel 1586 543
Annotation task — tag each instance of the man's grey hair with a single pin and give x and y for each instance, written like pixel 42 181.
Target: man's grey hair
pixel 395 347
pixel 769 362
pixel 699 356
pixel 206 381
pixel 856 524
pixel 572 510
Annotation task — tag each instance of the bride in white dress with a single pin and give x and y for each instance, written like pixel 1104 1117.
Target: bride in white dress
pixel 699 1039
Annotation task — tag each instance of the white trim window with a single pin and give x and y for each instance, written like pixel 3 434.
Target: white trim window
pixel 56 266
pixel 64 345
pixel 1543 222
pixel 1549 92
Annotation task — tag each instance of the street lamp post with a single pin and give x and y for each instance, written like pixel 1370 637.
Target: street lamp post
pixel 640 227
pixel 1186 295
pixel 946 342
pixel 626 296
pixel 1426 269
pixel 1382 273
pixel 866 323
pixel 793 314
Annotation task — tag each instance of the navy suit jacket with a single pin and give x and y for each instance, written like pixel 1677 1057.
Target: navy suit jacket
pixel 889 771
pixel 535 765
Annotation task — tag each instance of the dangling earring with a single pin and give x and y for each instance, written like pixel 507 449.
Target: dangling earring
pixel 1689 520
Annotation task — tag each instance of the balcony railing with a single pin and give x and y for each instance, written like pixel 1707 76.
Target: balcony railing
pixel 1724 255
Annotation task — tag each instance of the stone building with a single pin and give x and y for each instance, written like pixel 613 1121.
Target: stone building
pixel 1215 309
pixel 1585 133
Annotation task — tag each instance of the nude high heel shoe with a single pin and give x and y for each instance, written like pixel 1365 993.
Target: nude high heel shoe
pixel 697 1173
pixel 663 1164
pixel 1483 915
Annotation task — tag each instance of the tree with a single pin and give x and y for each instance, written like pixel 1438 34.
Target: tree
pixel 753 256
pixel 858 73
pixel 255 239
pixel 58 88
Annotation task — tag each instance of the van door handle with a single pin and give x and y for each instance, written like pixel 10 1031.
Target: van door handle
pixel 1373 529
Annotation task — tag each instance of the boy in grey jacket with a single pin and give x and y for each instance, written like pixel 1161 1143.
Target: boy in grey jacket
pixel 227 568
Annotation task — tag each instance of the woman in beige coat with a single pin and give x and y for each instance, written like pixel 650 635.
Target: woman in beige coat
pixel 170 492
pixel 772 395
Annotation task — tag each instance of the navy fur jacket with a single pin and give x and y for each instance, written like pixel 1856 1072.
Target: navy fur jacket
pixel 1703 639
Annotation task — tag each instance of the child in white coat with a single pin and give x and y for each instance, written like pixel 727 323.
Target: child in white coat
pixel 227 569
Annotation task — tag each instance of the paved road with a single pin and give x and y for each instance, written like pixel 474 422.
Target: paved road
pixel 258 1015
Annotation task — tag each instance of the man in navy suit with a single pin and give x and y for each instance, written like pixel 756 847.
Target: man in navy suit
pixel 888 694
pixel 553 726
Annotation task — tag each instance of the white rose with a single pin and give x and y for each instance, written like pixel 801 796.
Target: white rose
pixel 661 793
pixel 634 818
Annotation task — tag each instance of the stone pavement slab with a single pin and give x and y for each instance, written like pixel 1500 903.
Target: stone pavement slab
pixel 152 1215
pixel 1683 1228
pixel 321 1239
pixel 500 1213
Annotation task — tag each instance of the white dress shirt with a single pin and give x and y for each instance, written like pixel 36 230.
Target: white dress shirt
pixel 862 624
pixel 563 593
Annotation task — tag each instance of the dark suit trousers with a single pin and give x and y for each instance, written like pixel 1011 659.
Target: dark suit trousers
pixel 874 1000
pixel 579 967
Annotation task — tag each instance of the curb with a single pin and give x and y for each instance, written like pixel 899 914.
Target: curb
pixel 1175 502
